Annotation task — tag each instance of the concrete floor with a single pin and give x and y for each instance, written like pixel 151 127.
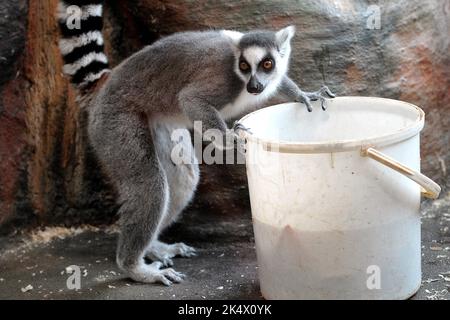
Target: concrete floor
pixel 225 268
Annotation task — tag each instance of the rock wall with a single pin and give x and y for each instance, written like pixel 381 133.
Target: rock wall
pixel 47 174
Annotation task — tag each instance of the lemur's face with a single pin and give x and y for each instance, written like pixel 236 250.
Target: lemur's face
pixel 263 59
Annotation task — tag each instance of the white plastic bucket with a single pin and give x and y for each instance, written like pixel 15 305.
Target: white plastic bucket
pixel 335 216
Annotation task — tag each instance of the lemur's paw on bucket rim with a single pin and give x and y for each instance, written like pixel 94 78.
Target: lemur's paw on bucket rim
pixel 307 97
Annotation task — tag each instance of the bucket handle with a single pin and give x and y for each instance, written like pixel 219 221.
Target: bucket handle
pixel 430 189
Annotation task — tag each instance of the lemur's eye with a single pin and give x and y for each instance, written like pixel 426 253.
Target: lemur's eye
pixel 244 66
pixel 268 64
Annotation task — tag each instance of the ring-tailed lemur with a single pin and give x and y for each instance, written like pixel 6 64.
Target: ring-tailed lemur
pixel 205 76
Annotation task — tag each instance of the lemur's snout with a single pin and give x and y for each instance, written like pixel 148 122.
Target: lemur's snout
pixel 254 86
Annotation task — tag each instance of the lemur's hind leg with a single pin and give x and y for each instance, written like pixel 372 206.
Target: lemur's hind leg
pixel 182 177
pixel 125 147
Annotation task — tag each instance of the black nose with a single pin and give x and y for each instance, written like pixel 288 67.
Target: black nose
pixel 254 86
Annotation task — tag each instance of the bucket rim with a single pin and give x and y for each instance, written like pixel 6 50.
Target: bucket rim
pixel 283 146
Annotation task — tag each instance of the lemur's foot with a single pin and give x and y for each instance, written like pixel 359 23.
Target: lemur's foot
pixel 307 97
pixel 163 252
pixel 152 273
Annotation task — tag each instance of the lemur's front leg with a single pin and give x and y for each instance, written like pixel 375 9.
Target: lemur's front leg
pixel 198 109
pixel 290 91
pixel 207 114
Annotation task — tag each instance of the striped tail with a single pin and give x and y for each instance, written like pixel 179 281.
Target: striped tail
pixel 81 45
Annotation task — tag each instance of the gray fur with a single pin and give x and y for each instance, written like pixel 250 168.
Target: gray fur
pixel 168 85
pixel 261 38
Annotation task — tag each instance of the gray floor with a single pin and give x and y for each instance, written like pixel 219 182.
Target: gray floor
pixel 225 268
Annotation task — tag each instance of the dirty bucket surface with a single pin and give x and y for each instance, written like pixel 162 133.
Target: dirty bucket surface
pixel 330 223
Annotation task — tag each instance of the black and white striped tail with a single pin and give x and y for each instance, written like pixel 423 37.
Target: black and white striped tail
pixel 81 45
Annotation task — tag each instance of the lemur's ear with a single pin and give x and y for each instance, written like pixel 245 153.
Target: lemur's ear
pixel 284 36
pixel 234 36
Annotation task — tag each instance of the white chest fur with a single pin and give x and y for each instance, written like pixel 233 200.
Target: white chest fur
pixel 246 102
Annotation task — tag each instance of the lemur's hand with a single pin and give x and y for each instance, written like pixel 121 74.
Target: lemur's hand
pixel 225 141
pixel 231 136
pixel 235 128
pixel 239 126
pixel 307 97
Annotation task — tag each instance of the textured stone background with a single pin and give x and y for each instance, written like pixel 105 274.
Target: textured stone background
pixel 46 172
